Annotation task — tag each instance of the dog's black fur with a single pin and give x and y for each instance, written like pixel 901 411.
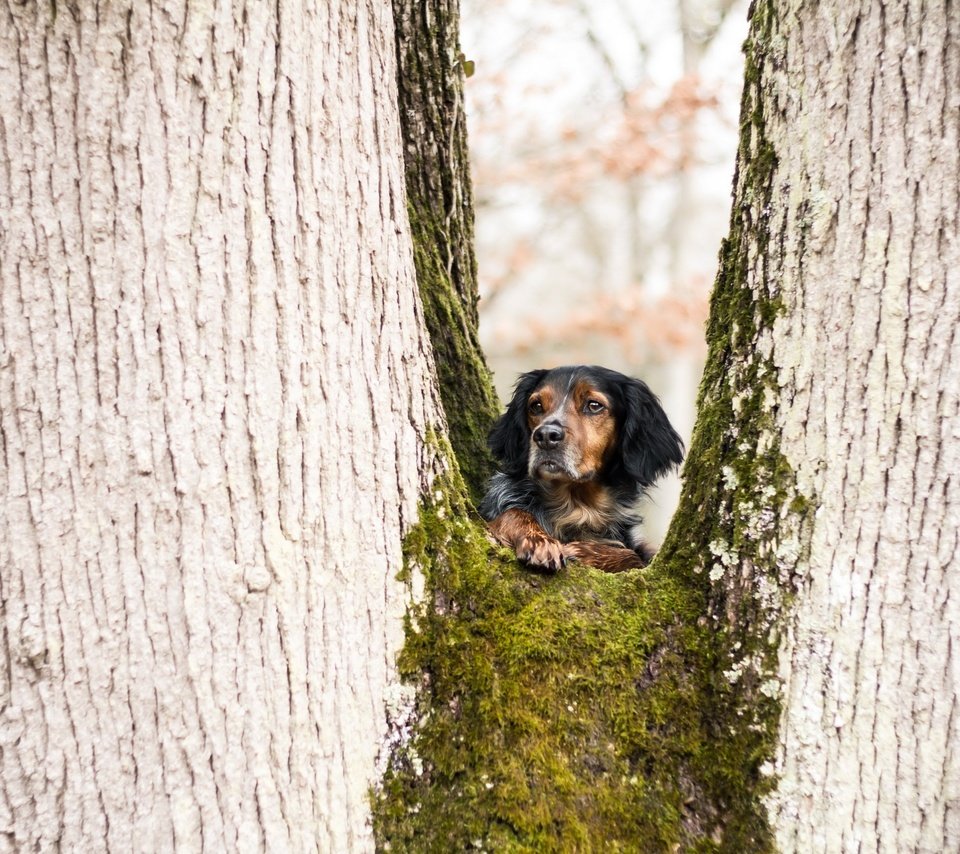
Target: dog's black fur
pixel 645 447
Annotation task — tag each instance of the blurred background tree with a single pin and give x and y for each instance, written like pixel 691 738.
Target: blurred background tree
pixel 602 139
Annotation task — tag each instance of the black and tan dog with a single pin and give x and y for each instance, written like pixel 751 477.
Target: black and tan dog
pixel 578 446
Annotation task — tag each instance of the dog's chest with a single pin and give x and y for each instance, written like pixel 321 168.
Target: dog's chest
pixel 591 515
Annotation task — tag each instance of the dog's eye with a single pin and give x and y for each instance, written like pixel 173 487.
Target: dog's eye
pixel 536 407
pixel 593 407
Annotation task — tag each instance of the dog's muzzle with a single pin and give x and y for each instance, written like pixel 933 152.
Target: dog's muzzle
pixel 550 455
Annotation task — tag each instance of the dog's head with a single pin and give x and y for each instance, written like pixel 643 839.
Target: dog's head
pixel 582 423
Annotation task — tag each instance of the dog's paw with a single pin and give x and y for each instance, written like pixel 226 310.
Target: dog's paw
pixel 603 556
pixel 541 552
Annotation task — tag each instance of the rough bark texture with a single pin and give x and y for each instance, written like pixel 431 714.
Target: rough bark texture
pixel 832 385
pixel 215 401
pixel 215 387
pixel 863 114
pixel 441 215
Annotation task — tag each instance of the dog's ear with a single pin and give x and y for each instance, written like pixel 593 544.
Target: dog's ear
pixel 649 446
pixel 510 438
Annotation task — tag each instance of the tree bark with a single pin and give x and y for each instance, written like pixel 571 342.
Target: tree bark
pixel 863 114
pixel 828 422
pixel 219 421
pixel 215 394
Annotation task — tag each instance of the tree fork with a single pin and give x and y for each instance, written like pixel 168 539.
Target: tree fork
pixel 832 382
pixel 638 709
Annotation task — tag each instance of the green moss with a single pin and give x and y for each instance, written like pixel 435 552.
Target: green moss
pixel 741 517
pixel 469 400
pixel 559 713
pixel 440 208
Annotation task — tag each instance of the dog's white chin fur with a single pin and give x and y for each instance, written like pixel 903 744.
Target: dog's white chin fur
pixel 556 471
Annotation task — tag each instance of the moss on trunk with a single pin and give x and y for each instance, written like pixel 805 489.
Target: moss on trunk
pixel 559 713
pixel 628 712
pixel 440 204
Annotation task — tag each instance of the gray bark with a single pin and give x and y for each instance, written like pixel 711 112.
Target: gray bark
pixel 215 386
pixel 864 115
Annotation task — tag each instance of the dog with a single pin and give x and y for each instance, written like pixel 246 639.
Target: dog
pixel 578 447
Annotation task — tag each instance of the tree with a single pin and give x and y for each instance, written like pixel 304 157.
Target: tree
pixel 216 395
pixel 220 420
pixel 859 122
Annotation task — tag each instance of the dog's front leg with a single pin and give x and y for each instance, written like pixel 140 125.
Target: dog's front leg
pixel 604 556
pixel 534 546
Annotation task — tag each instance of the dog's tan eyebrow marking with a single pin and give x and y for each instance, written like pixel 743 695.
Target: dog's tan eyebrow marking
pixel 544 396
pixel 587 390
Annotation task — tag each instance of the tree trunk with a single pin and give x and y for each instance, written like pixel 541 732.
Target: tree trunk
pixel 832 386
pixel 215 393
pixel 440 198
pixel 862 106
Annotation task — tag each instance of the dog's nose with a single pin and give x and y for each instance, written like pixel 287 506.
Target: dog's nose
pixel 548 435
